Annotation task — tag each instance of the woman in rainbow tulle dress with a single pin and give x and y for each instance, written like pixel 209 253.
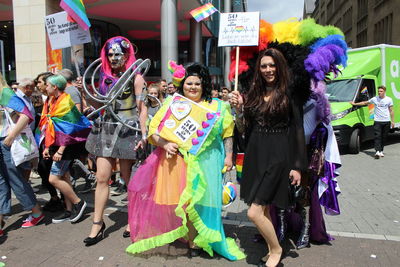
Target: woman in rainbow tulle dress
pixel 176 194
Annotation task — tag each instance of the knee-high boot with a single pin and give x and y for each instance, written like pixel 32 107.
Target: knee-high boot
pixel 304 238
pixel 281 231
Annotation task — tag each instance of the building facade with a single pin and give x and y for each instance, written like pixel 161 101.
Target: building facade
pixel 364 22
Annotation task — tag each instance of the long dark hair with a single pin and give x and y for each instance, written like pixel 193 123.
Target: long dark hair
pixel 199 70
pixel 278 102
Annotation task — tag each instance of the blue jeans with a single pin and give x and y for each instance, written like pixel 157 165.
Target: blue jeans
pixel 11 178
pixel 59 168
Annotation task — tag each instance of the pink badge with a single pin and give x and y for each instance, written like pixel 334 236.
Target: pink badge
pixel 200 133
pixel 210 116
pixel 195 141
pixel 205 124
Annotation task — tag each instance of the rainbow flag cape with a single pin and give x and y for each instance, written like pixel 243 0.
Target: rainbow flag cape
pixel 203 12
pixel 9 99
pixel 62 124
pixel 76 10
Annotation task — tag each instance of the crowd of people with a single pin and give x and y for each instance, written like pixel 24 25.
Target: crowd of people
pixel 173 194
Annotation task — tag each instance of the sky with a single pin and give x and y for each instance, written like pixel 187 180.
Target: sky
pixel 277 10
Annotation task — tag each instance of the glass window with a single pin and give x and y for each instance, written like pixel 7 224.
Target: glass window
pixel 342 90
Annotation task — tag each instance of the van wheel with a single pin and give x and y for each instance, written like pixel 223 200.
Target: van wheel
pixel 354 145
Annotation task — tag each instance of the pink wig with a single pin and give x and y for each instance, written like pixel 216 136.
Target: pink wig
pixel 106 71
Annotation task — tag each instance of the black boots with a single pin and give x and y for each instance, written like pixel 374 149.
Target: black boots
pixel 281 231
pixel 304 238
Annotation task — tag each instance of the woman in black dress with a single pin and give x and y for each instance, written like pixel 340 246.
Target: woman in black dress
pixel 275 151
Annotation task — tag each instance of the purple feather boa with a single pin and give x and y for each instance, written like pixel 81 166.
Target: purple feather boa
pixel 318 90
pixel 323 61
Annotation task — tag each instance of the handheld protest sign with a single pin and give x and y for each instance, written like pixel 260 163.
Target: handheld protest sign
pixel 239 29
pixel 187 123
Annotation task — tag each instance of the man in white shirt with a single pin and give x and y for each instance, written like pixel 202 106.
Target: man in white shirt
pixel 383 118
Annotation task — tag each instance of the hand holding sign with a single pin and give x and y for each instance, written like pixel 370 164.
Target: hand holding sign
pixel 186 124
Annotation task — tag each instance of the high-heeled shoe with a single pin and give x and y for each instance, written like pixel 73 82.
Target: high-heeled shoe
pixel 126 234
pixel 89 241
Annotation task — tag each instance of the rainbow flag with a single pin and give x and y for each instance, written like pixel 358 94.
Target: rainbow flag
pixel 239 166
pixel 63 124
pixel 203 12
pixel 364 90
pixel 76 10
pixel 371 111
pixel 9 99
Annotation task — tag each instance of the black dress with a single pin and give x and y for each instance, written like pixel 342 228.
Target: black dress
pixel 275 145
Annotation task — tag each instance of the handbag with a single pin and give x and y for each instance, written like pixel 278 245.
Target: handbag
pixel 296 193
pixel 24 147
pixel 229 190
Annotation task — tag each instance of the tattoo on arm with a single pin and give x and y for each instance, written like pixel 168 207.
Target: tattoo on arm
pixel 228 145
pixel 240 123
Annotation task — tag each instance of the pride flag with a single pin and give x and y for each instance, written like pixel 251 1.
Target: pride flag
pixel 203 12
pixel 239 166
pixel 9 99
pixel 364 90
pixel 76 10
pixel 62 124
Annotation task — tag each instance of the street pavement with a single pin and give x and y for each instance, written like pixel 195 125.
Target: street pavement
pixel 367 233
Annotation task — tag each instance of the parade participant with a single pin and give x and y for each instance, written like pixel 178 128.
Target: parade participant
pixel 383 118
pixel 152 104
pixel 171 89
pixel 109 139
pixel 273 123
pixel 311 52
pixel 44 165
pixel 13 108
pixel 175 194
pixel 63 131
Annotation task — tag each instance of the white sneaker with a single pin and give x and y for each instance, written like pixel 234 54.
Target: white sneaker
pixel 381 154
pixel 377 154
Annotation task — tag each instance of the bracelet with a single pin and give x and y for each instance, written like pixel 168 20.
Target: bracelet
pixel 59 153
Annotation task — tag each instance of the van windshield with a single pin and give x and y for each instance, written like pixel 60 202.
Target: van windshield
pixel 342 90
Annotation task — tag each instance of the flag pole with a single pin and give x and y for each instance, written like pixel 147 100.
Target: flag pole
pixel 237 68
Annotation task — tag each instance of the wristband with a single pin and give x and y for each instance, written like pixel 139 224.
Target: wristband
pixel 59 153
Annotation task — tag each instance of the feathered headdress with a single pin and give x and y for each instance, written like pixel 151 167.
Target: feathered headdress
pixel 311 50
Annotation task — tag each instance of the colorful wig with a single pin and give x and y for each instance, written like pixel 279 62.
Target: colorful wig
pixel 107 79
pixel 178 72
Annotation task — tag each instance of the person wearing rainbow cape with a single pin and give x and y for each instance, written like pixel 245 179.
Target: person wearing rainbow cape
pixel 176 194
pixel 63 132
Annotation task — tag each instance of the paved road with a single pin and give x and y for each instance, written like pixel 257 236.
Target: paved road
pixel 367 232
